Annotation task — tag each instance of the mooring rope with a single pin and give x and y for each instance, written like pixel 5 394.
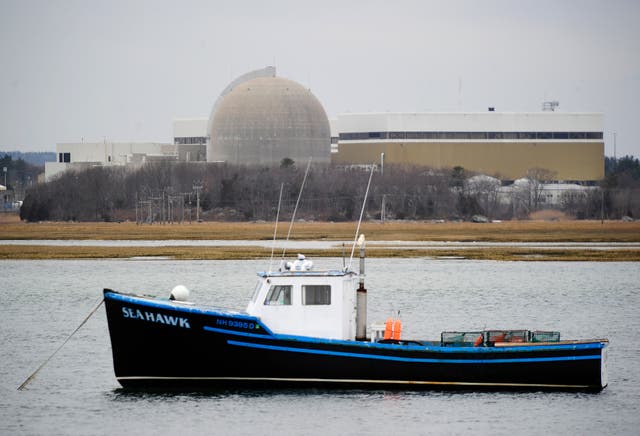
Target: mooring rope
pixel 32 376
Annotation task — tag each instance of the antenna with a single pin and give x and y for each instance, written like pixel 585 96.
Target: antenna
pixel 275 230
pixel 364 202
pixel 293 217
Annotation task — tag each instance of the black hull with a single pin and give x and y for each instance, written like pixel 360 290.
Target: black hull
pixel 171 345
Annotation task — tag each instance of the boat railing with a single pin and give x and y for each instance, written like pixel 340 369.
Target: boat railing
pixel 491 338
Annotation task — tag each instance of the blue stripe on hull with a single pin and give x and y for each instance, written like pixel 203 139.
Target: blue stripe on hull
pixel 409 359
pixel 412 347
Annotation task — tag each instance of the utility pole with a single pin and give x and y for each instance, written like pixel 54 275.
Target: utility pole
pixel 197 186
pixel 601 205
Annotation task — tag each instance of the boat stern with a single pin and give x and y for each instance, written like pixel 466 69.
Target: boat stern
pixel 604 378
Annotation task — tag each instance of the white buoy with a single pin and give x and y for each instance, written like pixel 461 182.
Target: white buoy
pixel 180 293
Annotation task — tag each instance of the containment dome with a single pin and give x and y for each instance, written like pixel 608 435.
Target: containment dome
pixel 267 119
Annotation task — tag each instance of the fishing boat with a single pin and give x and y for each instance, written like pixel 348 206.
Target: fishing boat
pixel 306 327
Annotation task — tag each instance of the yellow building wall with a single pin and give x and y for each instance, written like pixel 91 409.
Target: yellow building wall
pixel 580 161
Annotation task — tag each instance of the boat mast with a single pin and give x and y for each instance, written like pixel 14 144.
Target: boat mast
pixel 293 217
pixel 364 202
pixel 275 230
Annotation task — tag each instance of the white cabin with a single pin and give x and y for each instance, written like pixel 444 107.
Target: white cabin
pixel 303 302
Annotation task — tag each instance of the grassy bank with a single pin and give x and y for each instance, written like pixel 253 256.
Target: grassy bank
pixel 227 253
pixel 512 231
pixel 508 231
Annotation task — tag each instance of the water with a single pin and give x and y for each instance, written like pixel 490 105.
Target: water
pixel 76 393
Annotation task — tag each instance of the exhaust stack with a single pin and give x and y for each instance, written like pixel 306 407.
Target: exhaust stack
pixel 361 297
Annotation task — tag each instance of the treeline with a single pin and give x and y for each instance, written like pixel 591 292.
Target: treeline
pixel 167 192
pixel 36 158
pixel 621 187
pixel 19 174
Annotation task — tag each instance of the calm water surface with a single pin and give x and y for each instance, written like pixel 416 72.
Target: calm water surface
pixel 76 393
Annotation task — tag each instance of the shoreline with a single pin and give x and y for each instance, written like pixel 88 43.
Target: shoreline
pixel 504 232
pixel 35 252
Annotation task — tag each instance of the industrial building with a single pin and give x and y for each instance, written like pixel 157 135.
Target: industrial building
pixel 84 155
pixel 505 145
pixel 260 119
pixel 190 138
pixel 189 145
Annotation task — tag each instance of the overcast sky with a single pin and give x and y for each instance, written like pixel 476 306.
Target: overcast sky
pixel 125 69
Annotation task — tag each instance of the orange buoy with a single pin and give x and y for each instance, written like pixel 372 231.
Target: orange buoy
pixel 388 328
pixel 478 341
pixel 397 329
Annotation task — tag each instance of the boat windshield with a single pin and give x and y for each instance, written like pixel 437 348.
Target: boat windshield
pixel 256 291
pixel 279 295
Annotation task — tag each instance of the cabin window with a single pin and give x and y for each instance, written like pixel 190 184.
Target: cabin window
pixel 316 295
pixel 278 295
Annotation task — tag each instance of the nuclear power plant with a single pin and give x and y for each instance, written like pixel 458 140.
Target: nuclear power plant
pixel 266 119
pixel 261 119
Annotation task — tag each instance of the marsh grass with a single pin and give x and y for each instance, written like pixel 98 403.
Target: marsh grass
pixel 237 253
pixel 508 231
pixel 511 231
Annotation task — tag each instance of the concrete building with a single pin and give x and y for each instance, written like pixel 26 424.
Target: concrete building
pixel 546 194
pixel 550 194
pixel 190 138
pixel 261 119
pixel 501 144
pixel 189 145
pixel 90 154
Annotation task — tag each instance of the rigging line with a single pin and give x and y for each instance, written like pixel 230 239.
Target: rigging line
pixel 293 217
pixel 32 376
pixel 275 230
pixel 364 202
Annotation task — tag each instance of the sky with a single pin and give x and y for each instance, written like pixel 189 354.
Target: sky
pixel 123 70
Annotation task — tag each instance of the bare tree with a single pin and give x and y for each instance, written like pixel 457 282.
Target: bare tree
pixel 485 191
pixel 537 178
